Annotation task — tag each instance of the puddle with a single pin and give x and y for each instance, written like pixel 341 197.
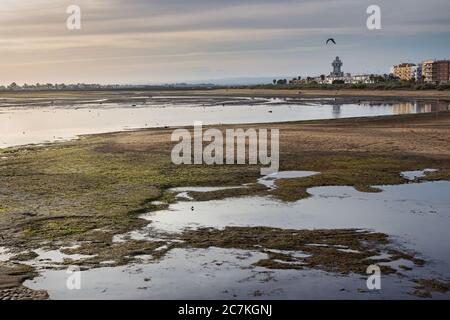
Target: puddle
pixel 269 180
pixel 5 254
pixel 202 189
pixel 413 175
pixel 327 208
pixel 393 211
pixel 44 258
pixel 295 254
pixel 338 247
pixel 56 256
pixel 185 195
pixel 183 192
pixel 212 273
pixel 51 258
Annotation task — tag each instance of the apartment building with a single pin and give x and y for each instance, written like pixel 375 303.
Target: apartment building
pixel 441 71
pixel 405 71
pixel 436 71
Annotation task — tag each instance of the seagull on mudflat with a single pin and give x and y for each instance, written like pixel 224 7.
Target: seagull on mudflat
pixel 331 40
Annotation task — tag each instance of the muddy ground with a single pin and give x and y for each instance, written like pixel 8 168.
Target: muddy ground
pixel 320 93
pixel 88 190
pixel 211 97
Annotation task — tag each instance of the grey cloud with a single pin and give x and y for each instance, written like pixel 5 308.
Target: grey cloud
pixel 231 35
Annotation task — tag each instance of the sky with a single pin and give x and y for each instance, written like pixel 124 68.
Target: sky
pixel 159 41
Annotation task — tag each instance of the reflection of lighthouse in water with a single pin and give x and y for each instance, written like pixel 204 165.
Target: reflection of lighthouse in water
pixel 337 110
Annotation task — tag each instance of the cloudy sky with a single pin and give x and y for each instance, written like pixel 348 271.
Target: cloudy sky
pixel 154 41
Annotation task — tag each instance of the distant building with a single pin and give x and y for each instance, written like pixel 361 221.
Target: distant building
pixel 436 71
pixel 337 65
pixel 405 71
pixel 418 72
pixel 298 81
pixel 362 78
pixel 427 70
pixel 441 70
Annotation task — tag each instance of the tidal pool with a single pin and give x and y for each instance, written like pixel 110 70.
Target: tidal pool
pixel 269 180
pixel 213 273
pixel 5 254
pixel 413 175
pixel 416 216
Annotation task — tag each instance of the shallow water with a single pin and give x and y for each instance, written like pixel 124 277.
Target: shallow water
pixel 415 215
pixel 413 175
pixel 270 180
pixel 212 273
pixel 5 254
pixel 418 214
pixel 49 258
pixel 29 124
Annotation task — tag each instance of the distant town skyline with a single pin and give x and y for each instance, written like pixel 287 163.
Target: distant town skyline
pixel 157 41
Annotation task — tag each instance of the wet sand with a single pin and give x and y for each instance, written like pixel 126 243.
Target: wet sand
pixel 341 93
pixel 218 96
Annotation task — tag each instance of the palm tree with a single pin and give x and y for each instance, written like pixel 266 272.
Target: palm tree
pixel 13 86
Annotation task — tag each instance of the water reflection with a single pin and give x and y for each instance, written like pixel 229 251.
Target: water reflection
pixel 337 110
pixel 32 124
pixel 415 215
pixel 421 107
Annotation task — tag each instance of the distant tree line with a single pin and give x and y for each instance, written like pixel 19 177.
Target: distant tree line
pixel 380 82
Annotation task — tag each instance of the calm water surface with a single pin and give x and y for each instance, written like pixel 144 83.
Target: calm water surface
pixel 415 215
pixel 30 124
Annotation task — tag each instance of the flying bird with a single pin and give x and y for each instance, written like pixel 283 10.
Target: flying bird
pixel 331 40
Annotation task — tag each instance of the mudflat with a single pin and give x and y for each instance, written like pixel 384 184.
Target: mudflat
pixel 325 93
pixel 83 184
pixel 96 187
pixel 123 96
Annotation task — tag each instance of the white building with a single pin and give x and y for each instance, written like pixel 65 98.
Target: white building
pixel 361 78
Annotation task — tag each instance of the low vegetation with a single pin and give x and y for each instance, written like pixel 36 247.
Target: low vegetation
pixel 64 192
pixel 341 251
pixel 389 85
